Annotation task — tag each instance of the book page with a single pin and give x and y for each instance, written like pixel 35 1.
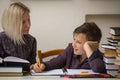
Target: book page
pixel 50 72
pixel 80 71
pixel 60 72
pixel 15 59
pixel 6 69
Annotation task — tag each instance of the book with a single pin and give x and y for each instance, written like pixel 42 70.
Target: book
pixel 110 52
pixel 113 42
pixel 109 59
pixel 11 61
pixel 109 39
pixel 117 62
pixel 111 66
pixel 117 57
pixel 11 74
pixel 118 54
pixel 108 46
pixel 61 72
pixel 115 37
pixel 118 50
pixel 10 69
pixel 112 72
pixel 118 75
pixel 115 31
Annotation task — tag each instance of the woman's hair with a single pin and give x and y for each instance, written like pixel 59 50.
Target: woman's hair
pixel 12 21
pixel 91 30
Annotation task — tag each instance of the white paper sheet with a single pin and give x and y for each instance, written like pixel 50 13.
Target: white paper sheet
pixel 60 72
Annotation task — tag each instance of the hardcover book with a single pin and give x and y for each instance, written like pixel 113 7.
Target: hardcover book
pixel 109 59
pixel 115 31
pixel 11 74
pixel 115 37
pixel 117 62
pixel 110 52
pixel 112 72
pixel 11 71
pixel 16 69
pixel 11 61
pixel 108 46
pixel 113 41
pixel 111 66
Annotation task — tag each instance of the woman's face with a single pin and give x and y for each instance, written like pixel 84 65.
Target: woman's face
pixel 78 42
pixel 26 23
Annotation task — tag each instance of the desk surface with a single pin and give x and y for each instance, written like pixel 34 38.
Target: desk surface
pixel 29 77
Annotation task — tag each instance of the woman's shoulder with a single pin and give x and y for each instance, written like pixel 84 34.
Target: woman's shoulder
pixel 29 36
pixel 2 35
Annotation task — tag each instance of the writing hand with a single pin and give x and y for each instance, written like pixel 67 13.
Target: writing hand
pixel 90 47
pixel 38 68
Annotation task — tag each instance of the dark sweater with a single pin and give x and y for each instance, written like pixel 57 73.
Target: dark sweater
pixel 25 51
pixel 72 61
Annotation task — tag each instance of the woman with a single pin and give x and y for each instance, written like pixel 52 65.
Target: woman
pixel 15 40
pixel 82 53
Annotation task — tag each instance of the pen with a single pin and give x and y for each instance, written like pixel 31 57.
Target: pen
pixel 38 60
pixel 104 75
pixel 87 76
pixel 64 70
pixel 77 76
pixel 82 76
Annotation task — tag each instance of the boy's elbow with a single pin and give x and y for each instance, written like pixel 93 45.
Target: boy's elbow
pixel 99 69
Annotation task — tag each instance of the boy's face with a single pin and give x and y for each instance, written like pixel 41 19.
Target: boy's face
pixel 78 42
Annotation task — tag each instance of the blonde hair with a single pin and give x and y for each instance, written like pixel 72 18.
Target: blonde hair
pixel 12 21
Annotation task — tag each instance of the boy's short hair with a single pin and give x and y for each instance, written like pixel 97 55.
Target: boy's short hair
pixel 91 30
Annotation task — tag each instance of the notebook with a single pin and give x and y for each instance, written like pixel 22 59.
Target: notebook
pixel 62 72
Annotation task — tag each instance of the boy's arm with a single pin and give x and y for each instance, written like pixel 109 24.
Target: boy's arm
pixel 95 57
pixel 90 47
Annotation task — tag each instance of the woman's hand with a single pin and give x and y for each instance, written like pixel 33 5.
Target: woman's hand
pixel 38 68
pixel 90 47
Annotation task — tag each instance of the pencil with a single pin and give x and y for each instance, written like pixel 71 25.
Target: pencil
pixel 38 60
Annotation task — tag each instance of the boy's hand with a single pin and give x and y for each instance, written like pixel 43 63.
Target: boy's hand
pixel 38 68
pixel 90 47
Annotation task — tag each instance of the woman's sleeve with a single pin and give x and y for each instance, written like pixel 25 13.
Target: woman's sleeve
pixel 1 49
pixel 32 57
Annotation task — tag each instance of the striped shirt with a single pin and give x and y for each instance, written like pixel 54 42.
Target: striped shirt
pixel 25 51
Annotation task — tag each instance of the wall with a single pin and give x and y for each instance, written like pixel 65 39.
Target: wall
pixel 53 21
pixel 3 4
pixel 104 22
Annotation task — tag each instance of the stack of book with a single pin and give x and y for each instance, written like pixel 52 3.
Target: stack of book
pixel 110 51
pixel 13 66
pixel 11 71
pixel 114 39
pixel 111 68
pixel 117 60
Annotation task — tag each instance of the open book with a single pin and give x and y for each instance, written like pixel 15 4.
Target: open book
pixel 72 73
pixel 61 72
pixel 11 61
